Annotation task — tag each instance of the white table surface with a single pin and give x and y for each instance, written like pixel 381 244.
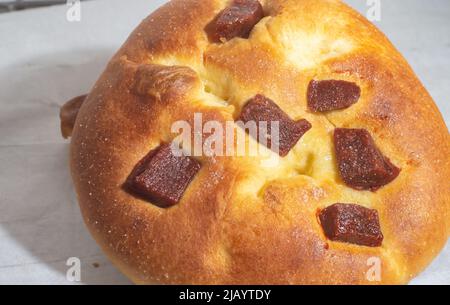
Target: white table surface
pixel 45 60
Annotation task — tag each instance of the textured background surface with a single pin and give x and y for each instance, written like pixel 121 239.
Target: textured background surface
pixel 45 60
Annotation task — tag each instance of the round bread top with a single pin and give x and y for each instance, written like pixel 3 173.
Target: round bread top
pixel 361 173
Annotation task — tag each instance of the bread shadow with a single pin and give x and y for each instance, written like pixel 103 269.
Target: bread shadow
pixel 40 222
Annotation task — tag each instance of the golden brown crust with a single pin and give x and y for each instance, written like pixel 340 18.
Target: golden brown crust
pixel 239 222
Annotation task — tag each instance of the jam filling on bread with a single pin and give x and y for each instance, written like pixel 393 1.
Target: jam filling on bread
pixel 361 164
pixel 236 20
pixel 351 223
pixel 262 109
pixel 68 114
pixel 162 177
pixel 328 95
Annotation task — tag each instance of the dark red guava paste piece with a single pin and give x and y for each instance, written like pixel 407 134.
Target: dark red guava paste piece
pixel 351 223
pixel 236 20
pixel 361 164
pixel 68 114
pixel 162 177
pixel 262 109
pixel 328 95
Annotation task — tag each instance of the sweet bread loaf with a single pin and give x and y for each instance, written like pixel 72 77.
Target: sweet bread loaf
pixel 362 161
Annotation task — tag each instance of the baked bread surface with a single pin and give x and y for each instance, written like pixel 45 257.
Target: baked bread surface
pixel 240 222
